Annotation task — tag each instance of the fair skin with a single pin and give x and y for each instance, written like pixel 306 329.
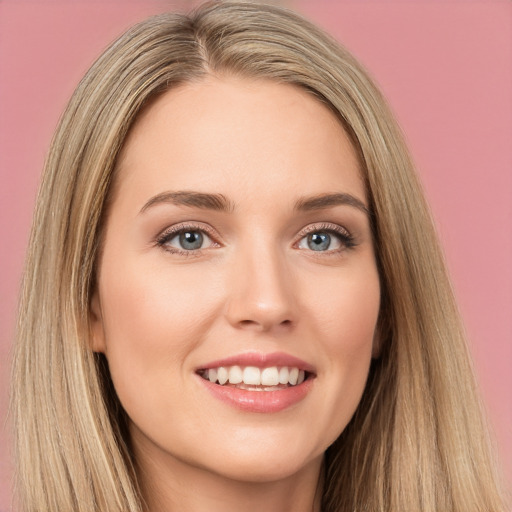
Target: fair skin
pixel 269 278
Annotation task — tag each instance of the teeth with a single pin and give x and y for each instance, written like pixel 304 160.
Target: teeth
pixel 212 375
pixel 235 375
pixel 222 375
pixel 294 376
pixel 284 374
pixel 252 376
pixel 270 376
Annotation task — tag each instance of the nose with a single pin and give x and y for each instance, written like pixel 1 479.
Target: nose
pixel 261 292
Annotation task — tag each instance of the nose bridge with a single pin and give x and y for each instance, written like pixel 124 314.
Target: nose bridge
pixel 261 291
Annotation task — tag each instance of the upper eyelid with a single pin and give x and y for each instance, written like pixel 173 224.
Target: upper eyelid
pixel 323 226
pixel 184 226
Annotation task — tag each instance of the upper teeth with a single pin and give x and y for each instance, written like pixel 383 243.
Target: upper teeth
pixel 253 376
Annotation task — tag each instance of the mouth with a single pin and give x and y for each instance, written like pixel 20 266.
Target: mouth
pixel 252 378
pixel 261 383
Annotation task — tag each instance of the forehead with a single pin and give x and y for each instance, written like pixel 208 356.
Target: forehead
pixel 238 136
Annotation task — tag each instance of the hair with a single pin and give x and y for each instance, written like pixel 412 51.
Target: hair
pixel 418 440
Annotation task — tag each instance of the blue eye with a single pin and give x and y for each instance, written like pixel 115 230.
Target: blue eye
pixel 319 241
pixel 331 239
pixel 190 240
pixel 185 240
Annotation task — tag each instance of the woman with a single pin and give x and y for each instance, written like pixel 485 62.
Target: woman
pixel 252 308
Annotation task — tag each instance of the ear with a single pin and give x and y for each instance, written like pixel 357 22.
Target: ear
pixel 97 336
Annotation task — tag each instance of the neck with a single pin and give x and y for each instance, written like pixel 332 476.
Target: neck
pixel 172 485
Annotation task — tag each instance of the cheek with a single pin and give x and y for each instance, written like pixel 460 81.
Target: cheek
pixel 152 320
pixel 345 319
pixel 147 305
pixel 346 310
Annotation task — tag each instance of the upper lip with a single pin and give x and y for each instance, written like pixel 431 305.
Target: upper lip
pixel 260 360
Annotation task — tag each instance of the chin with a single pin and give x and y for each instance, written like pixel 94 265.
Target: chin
pixel 263 461
pixel 265 470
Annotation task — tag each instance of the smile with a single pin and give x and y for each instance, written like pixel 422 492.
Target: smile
pixel 254 378
pixel 262 383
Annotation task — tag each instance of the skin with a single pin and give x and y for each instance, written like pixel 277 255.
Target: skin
pixel 255 286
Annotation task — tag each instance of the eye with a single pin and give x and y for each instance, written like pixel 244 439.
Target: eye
pixel 185 239
pixel 188 240
pixel 327 238
pixel 318 242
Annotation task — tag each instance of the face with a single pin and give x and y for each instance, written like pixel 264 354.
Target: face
pixel 238 293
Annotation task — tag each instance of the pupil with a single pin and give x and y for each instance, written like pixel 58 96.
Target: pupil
pixel 319 241
pixel 191 240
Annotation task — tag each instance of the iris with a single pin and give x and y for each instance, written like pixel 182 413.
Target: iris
pixel 319 241
pixel 191 240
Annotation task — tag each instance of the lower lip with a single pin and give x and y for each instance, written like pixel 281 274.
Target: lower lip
pixel 259 401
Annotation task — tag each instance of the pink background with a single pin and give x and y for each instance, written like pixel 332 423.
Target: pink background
pixel 446 68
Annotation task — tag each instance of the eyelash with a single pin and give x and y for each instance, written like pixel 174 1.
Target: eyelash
pixel 165 237
pixel 346 240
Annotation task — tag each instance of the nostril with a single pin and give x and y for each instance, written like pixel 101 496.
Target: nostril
pixel 264 325
pixel 247 322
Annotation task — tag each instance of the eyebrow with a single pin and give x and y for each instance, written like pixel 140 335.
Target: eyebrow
pixel 201 200
pixel 323 201
pixel 219 202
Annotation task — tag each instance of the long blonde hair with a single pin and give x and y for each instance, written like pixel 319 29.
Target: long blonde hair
pixel 418 440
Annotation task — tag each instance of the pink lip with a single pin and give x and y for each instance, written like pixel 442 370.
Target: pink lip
pixel 260 401
pixel 261 361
